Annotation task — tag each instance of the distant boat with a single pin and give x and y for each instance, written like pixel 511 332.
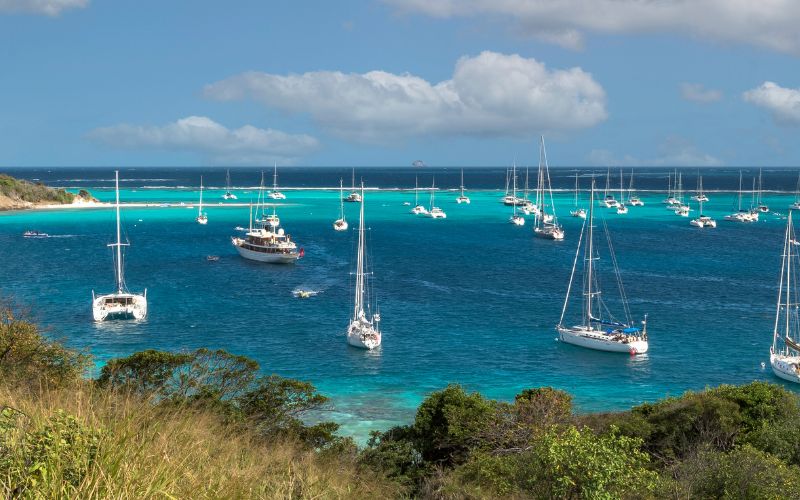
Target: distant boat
pixel 35 234
pixel 700 195
pixel 228 195
pixel 275 194
pixel 741 215
pixel 681 208
pixel 599 329
pixel 201 217
pixel 462 198
pixel 364 328
pixel 784 355
pixel 633 200
pixel 354 196
pixel 418 209
pixel 608 199
pixel 121 304
pixel 340 224
pixel 545 224
pixel 434 212
pixel 212 258
pixel 670 201
pixel 703 220
pixel 577 211
pixel 796 204
pixel 760 205
pixel 621 208
pixel 515 218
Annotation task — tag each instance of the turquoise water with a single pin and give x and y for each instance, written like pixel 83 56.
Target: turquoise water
pixel 470 299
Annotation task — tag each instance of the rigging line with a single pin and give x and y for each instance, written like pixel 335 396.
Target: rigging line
pixel 572 275
pixel 617 275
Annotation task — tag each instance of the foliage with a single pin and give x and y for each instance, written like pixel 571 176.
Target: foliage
pixel 22 190
pixel 26 355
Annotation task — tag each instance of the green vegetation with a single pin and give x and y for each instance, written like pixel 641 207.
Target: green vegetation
pixel 21 192
pixel 208 424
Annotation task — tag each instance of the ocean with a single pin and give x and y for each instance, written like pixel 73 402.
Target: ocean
pixel 471 299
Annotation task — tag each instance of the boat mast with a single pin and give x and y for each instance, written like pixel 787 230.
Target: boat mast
pixel 358 310
pixel 576 189
pixel 788 271
pixel 784 276
pixel 590 258
pixel 275 178
pixel 462 182
pixel 416 191
pixel 514 192
pixel 433 187
pixel 341 196
pixel 546 178
pixel 740 190
pixel 118 271
pixel 200 205
pixel 621 191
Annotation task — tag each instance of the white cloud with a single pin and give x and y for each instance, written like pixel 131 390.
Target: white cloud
pixel 489 95
pixel 765 23
pixel 45 7
pixel 674 152
pixel 782 103
pixel 698 93
pixel 198 134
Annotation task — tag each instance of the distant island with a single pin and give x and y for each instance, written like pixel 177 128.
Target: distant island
pixel 17 194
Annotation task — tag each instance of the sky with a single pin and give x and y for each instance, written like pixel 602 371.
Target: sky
pixel 387 82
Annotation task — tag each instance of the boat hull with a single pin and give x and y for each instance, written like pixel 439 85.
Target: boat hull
pixel 462 199
pixel 785 367
pixel 119 306
pixel 599 341
pixel 363 335
pixel 267 257
pixel 340 225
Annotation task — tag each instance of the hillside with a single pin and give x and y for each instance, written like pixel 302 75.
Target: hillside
pixel 18 193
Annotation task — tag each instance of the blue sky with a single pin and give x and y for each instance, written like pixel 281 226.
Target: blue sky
pixel 385 82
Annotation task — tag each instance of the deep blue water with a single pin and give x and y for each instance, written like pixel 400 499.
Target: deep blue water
pixel 471 299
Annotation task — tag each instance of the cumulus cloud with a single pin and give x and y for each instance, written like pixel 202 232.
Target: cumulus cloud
pixel 698 93
pixel 782 103
pixel 674 152
pixel 765 23
pixel 45 7
pixel 198 134
pixel 489 95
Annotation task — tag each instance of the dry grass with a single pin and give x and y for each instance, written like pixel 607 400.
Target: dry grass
pixel 142 452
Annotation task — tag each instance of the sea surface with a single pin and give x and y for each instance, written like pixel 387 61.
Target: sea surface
pixel 471 299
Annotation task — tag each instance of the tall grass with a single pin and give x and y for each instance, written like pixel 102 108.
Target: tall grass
pixel 127 448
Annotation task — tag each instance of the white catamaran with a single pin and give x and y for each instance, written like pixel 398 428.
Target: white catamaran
pixel 760 205
pixel 633 199
pixel 418 209
pixel 577 212
pixel 340 224
pixel 545 224
pixel 434 212
pixel 353 197
pixel 703 220
pixel 121 304
pixel 228 194
pixel 784 355
pixel 621 207
pixel 364 328
pixel 742 215
pixel 796 204
pixel 275 194
pixel 462 197
pixel 515 218
pixel 598 328
pixel 201 217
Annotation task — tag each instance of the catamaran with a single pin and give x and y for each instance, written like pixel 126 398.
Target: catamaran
pixel 621 208
pixel 681 208
pixel 508 199
pixel 341 223
pixel 418 209
pixel 598 328
pixel 760 205
pixel 515 218
pixel 670 201
pixel 633 200
pixel 784 355
pixel 545 224
pixel 703 220
pixel 462 198
pixel 577 212
pixel 228 195
pixel 435 212
pixel 700 195
pixel 275 194
pixel 742 215
pixel 364 328
pixel 796 204
pixel 528 207
pixel 201 217
pixel 121 304
pixel 353 197
pixel 608 198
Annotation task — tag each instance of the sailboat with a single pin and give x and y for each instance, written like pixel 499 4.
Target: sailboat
pixel 462 198
pixel 760 205
pixel 341 223
pixel 201 217
pixel 435 212
pixel 418 209
pixel 784 355
pixel 700 195
pixel 670 201
pixel 796 204
pixel 228 195
pixel 608 198
pixel 577 212
pixel 509 199
pixel 621 208
pixel 598 328
pixel 703 220
pixel 353 197
pixel 275 194
pixel 633 200
pixel 528 207
pixel 121 304
pixel 682 208
pixel 364 328
pixel 546 225
pixel 515 218
pixel 741 215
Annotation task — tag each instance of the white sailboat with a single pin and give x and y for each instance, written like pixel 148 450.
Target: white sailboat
pixel 741 215
pixel 364 328
pixel 577 211
pixel 598 328
pixel 784 355
pixel 528 207
pixel 703 220
pixel 341 223
pixel 275 194
pixel 608 199
pixel 418 209
pixel 201 217
pixel 796 204
pixel 509 199
pixel 670 201
pixel 462 198
pixel 700 195
pixel 633 200
pixel 121 304
pixel 435 212
pixel 545 224
pixel 682 209
pixel 228 195
pixel 760 205
pixel 354 196
pixel 621 208
pixel 515 218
